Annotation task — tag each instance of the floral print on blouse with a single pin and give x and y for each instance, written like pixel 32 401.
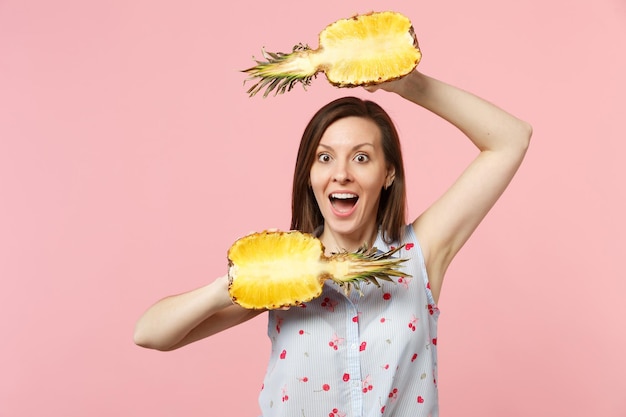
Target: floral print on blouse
pixel 357 356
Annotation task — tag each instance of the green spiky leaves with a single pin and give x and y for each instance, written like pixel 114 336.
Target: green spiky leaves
pixel 369 265
pixel 274 74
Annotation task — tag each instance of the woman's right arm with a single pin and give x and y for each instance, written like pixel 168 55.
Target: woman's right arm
pixel 178 320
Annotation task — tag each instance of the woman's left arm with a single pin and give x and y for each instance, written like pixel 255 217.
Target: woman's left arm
pixel 502 140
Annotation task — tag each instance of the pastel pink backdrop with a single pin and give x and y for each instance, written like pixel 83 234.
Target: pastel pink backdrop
pixel 131 158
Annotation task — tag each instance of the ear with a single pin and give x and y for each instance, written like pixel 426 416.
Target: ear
pixel 391 175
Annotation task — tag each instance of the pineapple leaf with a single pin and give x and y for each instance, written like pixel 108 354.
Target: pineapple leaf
pixel 272 80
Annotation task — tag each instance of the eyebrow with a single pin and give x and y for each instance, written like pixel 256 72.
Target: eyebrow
pixel 354 148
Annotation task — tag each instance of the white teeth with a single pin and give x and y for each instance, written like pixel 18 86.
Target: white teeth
pixel 343 196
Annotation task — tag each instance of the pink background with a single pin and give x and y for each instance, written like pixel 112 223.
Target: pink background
pixel 131 158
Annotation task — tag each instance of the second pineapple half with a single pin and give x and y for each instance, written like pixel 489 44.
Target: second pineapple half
pixel 362 50
pixel 270 270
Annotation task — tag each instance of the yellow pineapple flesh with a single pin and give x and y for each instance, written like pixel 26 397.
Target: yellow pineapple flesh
pixel 362 50
pixel 275 269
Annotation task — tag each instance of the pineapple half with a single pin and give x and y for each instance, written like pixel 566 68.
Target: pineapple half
pixel 274 269
pixel 359 51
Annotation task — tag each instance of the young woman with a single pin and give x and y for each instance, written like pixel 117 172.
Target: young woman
pixel 376 353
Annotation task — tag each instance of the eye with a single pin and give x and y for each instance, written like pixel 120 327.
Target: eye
pixel 361 158
pixel 323 157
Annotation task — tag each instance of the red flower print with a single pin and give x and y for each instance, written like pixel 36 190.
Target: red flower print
pixel 279 323
pixel 405 281
pixel 325 387
pixel 329 304
pixel 394 394
pixel 367 384
pixel 335 342
pixel 336 413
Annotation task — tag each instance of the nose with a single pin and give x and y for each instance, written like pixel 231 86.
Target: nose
pixel 341 173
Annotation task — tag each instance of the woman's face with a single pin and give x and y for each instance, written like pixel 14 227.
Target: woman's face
pixel 348 174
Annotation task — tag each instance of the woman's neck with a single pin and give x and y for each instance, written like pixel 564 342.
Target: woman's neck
pixel 338 242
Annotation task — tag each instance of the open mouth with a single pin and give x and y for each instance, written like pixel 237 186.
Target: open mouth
pixel 343 202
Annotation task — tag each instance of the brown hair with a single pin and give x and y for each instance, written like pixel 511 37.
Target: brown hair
pixel 305 213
